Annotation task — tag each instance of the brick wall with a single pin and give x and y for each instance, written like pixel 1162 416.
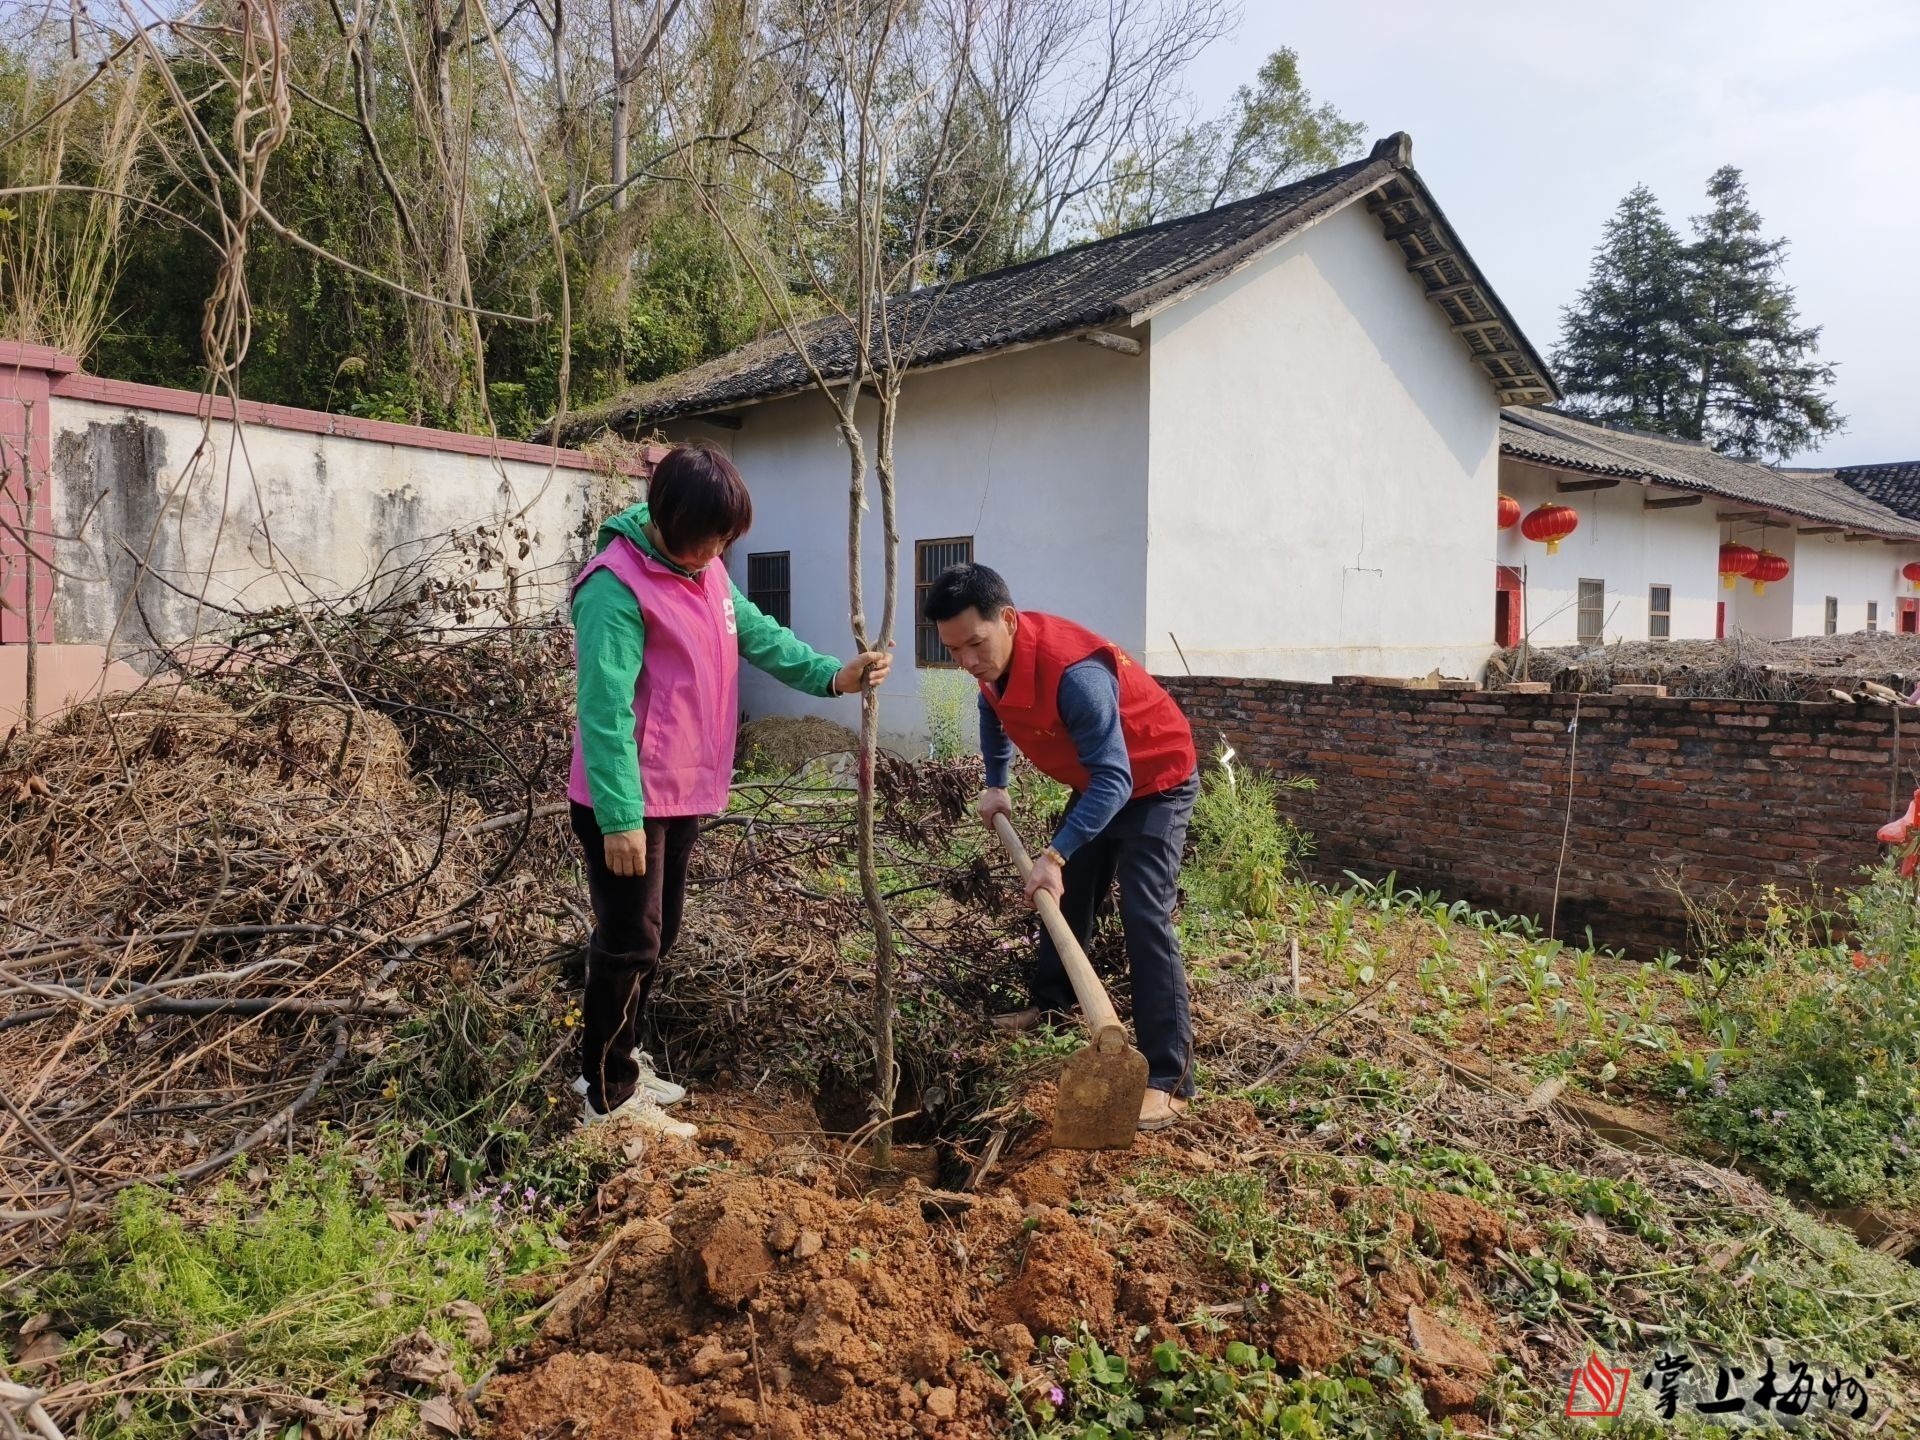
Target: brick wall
pixel 1466 792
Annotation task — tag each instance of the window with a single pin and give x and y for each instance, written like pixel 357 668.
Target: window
pixel 930 557
pixel 1593 611
pixel 1873 616
pixel 1660 612
pixel 770 584
pixel 1833 614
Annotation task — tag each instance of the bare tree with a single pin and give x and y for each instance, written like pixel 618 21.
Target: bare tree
pixel 879 83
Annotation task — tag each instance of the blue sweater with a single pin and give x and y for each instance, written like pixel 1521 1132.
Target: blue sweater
pixel 1089 700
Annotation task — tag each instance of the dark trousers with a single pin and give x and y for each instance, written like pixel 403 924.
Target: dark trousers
pixel 635 921
pixel 1140 849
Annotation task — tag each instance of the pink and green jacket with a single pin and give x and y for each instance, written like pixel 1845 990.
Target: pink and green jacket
pixel 657 656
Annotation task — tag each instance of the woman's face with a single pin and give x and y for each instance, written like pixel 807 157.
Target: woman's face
pixel 702 554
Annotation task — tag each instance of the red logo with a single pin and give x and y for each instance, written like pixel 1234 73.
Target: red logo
pixel 1597 1391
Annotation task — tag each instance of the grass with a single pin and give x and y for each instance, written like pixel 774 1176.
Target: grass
pixel 292 1287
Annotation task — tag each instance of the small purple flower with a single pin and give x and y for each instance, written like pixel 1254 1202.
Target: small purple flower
pixel 1057 1396
pixel 1778 1116
pixel 1758 1113
pixel 1680 1093
pixel 1264 1287
pixel 1902 1147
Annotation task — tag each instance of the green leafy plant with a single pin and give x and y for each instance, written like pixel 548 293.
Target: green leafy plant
pixel 1244 847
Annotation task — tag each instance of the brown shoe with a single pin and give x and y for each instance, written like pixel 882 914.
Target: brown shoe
pixel 1160 1110
pixel 1017 1022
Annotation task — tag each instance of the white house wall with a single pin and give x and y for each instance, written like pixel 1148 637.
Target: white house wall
pixel 1621 543
pixel 1853 572
pixel 1039 455
pixel 1324 462
pixel 1631 549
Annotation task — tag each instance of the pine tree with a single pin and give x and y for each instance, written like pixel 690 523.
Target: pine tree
pixel 1755 387
pixel 1624 344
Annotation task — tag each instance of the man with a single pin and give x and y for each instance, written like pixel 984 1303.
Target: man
pixel 1083 712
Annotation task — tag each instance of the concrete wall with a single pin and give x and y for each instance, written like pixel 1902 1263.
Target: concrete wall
pixel 161 510
pixel 1324 465
pixel 1039 455
pixel 1630 548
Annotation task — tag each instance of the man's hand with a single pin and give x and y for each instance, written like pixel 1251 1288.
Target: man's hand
pixel 626 852
pixel 993 801
pixel 863 672
pixel 1045 875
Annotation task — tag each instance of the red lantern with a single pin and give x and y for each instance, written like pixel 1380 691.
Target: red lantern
pixel 1736 560
pixel 1911 573
pixel 1551 523
pixel 1510 514
pixel 1767 567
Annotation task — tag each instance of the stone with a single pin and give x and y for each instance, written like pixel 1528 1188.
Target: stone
pixel 808 1244
pixel 784 1233
pixel 737 1410
pixel 944 1401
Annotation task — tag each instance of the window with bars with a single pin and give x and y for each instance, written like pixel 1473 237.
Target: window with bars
pixel 930 557
pixel 1873 616
pixel 770 584
pixel 1592 617
pixel 1659 612
pixel 1833 614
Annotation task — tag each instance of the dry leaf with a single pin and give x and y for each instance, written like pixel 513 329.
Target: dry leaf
pixel 473 1323
pixel 420 1358
pixel 440 1414
pixel 34 1326
pixel 47 1347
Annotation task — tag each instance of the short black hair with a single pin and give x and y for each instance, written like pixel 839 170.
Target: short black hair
pixel 695 495
pixel 960 587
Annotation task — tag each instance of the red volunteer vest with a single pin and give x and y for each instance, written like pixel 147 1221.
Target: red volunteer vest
pixel 1159 740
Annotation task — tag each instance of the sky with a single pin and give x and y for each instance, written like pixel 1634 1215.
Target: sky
pixel 1530 124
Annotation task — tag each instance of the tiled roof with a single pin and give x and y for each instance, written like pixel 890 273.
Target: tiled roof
pixel 1114 283
pixel 1896 486
pixel 1548 437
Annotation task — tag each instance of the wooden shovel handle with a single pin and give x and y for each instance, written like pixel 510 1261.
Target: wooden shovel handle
pixel 1103 1024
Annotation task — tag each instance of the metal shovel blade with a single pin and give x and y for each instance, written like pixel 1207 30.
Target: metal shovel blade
pixel 1097 1105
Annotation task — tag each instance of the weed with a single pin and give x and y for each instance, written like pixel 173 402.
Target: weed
pixel 297 1290
pixel 1243 846
pixel 1090 1394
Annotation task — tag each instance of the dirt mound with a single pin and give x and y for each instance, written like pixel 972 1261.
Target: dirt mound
pixel 781 744
pixel 773 1294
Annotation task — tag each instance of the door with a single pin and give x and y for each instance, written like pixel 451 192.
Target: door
pixel 1506 606
pixel 1909 616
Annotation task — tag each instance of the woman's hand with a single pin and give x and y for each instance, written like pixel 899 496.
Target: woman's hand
pixel 863 672
pixel 626 852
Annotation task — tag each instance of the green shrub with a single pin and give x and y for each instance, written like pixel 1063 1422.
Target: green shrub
pixel 1823 1088
pixel 951 702
pixel 1243 845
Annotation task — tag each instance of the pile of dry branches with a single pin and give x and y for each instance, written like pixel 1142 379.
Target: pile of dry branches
pixel 222 896
pixel 1807 667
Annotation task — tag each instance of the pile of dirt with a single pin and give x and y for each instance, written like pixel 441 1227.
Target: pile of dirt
pixel 775 1297
pixel 782 744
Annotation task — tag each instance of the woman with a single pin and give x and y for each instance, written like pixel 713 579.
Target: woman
pixel 659 633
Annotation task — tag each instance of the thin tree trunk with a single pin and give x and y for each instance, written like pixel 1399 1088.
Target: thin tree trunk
pixel 622 109
pixel 27 532
pixel 883 945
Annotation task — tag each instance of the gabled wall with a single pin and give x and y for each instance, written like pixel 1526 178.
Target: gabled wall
pixel 1323 471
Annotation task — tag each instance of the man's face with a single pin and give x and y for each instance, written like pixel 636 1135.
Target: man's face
pixel 981 645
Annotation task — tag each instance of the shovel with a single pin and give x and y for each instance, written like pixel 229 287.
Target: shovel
pixel 1098 1102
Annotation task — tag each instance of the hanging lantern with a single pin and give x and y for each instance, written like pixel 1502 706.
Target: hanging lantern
pixel 1551 523
pixel 1910 572
pixel 1767 567
pixel 1736 560
pixel 1510 513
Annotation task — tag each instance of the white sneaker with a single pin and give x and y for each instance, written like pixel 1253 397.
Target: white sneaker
pixel 640 1113
pixel 663 1090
